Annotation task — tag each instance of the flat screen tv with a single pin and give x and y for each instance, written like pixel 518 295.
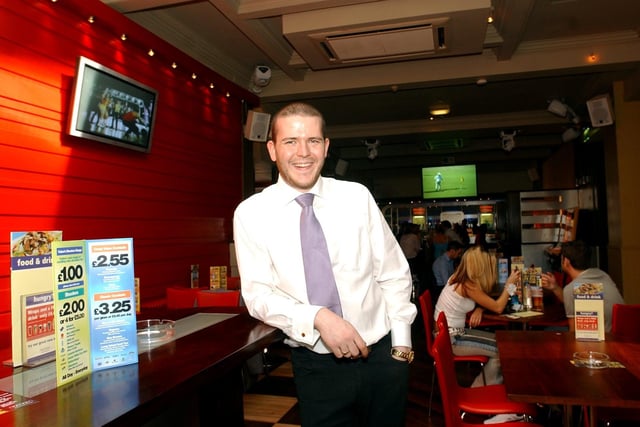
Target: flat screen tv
pixel 447 182
pixel 109 107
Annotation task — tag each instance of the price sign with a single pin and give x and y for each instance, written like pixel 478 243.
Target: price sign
pixel 71 320
pixel 112 303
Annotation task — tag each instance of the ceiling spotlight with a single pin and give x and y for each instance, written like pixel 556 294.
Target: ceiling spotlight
pixel 507 140
pixel 558 108
pixel 561 109
pixel 439 110
pixel 570 134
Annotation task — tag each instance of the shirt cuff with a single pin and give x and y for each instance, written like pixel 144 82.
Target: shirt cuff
pixel 401 335
pixel 303 329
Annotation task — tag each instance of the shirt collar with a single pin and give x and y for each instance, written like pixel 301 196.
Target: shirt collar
pixel 288 194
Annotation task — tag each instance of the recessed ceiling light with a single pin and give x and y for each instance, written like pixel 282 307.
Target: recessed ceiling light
pixel 439 110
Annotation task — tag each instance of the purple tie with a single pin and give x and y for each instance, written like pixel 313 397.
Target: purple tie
pixel 321 285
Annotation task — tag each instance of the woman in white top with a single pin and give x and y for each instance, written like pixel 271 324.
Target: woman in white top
pixel 468 291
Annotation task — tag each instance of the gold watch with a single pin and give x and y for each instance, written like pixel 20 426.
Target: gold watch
pixel 407 355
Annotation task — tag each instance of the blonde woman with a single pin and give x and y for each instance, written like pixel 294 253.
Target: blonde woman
pixel 468 290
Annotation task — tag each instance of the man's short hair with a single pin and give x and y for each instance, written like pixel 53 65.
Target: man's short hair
pixel 454 244
pixel 578 253
pixel 297 109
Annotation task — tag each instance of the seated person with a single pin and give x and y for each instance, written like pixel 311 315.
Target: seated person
pixel 444 266
pixel 468 291
pixel 575 258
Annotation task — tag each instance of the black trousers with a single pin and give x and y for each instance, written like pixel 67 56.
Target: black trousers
pixel 336 392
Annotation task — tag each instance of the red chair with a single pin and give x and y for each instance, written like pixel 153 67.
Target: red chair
pixel 218 298
pixel 181 298
pixel 426 308
pixel 625 319
pixel 457 400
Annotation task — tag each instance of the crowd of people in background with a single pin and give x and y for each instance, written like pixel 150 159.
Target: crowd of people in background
pixel 433 251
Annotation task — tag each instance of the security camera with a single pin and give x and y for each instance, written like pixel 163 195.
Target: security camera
pixel 261 78
pixel 507 140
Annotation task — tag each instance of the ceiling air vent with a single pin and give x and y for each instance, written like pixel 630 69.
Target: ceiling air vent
pixel 444 144
pixel 407 41
pixel 375 32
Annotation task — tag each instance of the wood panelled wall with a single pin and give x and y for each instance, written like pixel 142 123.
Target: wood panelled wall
pixel 176 202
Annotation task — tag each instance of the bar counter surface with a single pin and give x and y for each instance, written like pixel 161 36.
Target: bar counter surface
pixel 196 378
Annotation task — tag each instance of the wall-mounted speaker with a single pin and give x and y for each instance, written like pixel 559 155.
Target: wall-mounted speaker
pixel 600 111
pixel 257 126
pixel 341 167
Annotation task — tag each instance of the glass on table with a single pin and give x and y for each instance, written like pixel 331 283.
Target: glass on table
pixel 537 298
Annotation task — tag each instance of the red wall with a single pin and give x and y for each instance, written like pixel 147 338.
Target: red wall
pixel 176 202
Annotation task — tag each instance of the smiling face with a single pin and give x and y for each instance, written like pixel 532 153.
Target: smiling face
pixel 299 148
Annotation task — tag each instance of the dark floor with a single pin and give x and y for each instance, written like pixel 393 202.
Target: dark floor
pixel 279 384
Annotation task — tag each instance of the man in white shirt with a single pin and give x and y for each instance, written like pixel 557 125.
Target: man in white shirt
pixel 349 370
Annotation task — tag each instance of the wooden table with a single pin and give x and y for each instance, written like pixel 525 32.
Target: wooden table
pixel 553 315
pixel 536 366
pixel 197 376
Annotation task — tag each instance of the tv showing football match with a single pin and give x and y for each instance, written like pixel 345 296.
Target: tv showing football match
pixel 449 182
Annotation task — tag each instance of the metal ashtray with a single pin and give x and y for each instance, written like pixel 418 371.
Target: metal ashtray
pixel 591 359
pixel 154 331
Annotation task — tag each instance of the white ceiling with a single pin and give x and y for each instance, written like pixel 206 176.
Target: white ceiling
pixel 534 51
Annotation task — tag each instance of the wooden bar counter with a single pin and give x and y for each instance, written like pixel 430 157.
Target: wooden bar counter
pixel 193 380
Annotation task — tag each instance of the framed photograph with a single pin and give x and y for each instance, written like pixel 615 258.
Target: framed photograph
pixel 109 107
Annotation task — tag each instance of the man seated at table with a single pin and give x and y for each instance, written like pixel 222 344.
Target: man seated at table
pixel 444 266
pixel 575 258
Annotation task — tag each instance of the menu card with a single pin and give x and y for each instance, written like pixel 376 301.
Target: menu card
pixel 589 311
pixel 94 311
pixel 30 274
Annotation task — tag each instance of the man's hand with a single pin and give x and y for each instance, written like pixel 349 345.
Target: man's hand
pixel 339 335
pixel 548 281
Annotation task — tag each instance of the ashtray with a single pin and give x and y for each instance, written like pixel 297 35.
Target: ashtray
pixel 591 359
pixel 154 331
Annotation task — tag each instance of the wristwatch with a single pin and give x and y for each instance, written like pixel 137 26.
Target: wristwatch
pixel 407 355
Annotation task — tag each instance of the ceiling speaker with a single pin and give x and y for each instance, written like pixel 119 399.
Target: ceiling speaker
pixel 600 111
pixel 257 126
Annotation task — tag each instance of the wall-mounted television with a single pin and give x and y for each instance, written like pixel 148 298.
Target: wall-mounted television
pixel 109 107
pixel 447 182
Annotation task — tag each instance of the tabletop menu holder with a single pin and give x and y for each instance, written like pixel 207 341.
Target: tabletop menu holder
pixel 589 311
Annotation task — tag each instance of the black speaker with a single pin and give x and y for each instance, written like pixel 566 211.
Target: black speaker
pixel 600 111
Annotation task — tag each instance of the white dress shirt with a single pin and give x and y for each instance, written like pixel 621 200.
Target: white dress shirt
pixel 371 272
